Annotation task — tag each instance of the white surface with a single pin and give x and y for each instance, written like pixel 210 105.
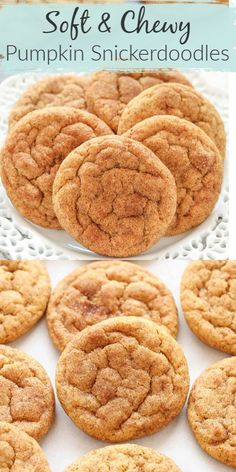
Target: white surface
pixel 65 443
pixel 21 239
pixel 232 173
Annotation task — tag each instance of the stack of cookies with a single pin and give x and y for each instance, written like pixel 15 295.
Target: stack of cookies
pixel 121 374
pixel 118 160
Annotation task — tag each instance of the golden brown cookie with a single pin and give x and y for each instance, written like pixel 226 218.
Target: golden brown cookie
pixel 100 290
pixel 54 90
pixel 122 378
pixel 109 92
pixel 193 160
pixel 208 297
pixel 26 394
pixel 19 452
pixel 24 295
pixel 212 411
pixel 178 100
pixel 121 458
pixel 33 152
pixel 122 198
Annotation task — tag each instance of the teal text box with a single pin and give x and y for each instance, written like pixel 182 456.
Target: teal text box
pixel 70 37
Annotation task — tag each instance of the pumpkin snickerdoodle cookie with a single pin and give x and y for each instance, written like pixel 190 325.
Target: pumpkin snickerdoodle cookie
pixel 19 452
pixel 24 295
pixel 26 394
pixel 179 100
pixel 122 198
pixel 194 161
pixel 128 457
pixel 54 90
pixel 122 378
pixel 109 92
pixel 208 297
pixel 33 152
pixel 212 411
pixel 100 290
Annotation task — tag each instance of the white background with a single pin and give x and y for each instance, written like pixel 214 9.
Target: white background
pixel 232 165
pixel 65 443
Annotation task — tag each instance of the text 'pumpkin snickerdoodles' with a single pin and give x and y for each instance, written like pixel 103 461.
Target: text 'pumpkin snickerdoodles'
pixel 194 161
pixel 104 289
pixel 33 152
pixel 24 294
pixel 109 92
pixel 19 452
pixel 208 297
pixel 181 101
pixel 122 378
pixel 121 197
pixel 121 458
pixel 26 394
pixel 212 411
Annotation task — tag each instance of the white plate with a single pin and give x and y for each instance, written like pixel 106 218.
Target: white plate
pixel 21 239
pixel 65 443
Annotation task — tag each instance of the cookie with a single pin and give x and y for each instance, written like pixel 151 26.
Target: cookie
pixel 33 153
pixel 109 92
pixel 24 295
pixel 122 198
pixel 181 101
pixel 208 297
pixel 26 394
pixel 193 160
pixel 19 452
pixel 100 290
pixel 55 90
pixel 212 411
pixel 122 378
pixel 128 457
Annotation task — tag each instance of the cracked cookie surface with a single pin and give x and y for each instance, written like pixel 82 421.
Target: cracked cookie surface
pixel 122 197
pixel 109 92
pixel 100 290
pixel 208 298
pixel 122 378
pixel 24 295
pixel 212 411
pixel 181 101
pixel 129 457
pixel 26 394
pixel 55 90
pixel 194 161
pixel 19 452
pixel 33 152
